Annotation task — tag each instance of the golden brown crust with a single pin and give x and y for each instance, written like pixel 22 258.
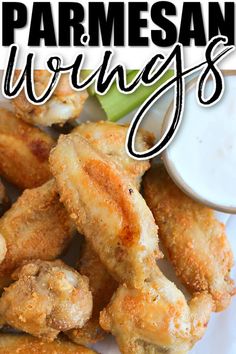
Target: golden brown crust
pixel 106 208
pixel 102 286
pixel 46 298
pixel 24 152
pixel 201 306
pixel 64 104
pixel 157 319
pixel 110 138
pixel 25 344
pixel 36 226
pixel 195 241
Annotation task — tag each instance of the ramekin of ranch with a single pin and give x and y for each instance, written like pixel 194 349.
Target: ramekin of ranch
pixel 201 159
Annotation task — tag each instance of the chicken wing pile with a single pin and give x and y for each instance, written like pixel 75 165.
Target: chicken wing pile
pixel 85 186
pixel 147 313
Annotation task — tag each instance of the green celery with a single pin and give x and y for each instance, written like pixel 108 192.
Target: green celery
pixel 116 104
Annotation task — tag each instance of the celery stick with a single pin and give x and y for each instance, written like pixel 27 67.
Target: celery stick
pixel 116 104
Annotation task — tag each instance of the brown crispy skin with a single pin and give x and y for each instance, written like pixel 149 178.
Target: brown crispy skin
pixel 25 344
pixel 102 286
pixel 36 226
pixel 24 152
pixel 195 241
pixel 46 298
pixel 110 138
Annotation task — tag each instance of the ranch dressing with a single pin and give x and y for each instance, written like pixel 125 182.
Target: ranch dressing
pixel 202 156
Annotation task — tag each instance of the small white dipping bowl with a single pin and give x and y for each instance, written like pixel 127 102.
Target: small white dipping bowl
pixel 201 159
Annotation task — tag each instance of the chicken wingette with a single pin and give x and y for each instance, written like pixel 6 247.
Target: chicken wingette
pixel 108 138
pixel 195 241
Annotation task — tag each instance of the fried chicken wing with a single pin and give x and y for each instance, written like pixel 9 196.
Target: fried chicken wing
pixel 65 103
pixel 36 226
pixel 157 319
pixel 115 219
pixel 106 208
pixel 102 286
pixel 25 344
pixel 194 239
pixel 24 152
pixel 110 138
pixel 4 200
pixel 46 298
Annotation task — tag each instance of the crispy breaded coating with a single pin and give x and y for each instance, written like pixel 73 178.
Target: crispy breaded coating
pixel 4 200
pixel 24 152
pixel 157 319
pixel 46 298
pixel 106 208
pixel 194 239
pixel 36 226
pixel 102 286
pixel 110 138
pixel 26 344
pixel 65 103
pixel 117 222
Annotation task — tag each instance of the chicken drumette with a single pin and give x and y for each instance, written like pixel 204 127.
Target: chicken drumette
pixel 46 298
